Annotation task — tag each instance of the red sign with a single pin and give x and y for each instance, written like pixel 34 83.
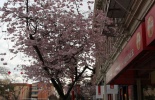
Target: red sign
pixel 150 26
pixel 99 90
pixel 130 51
pixel 111 86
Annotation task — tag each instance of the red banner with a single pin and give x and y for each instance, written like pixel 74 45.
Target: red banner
pixel 99 90
pixel 130 51
pixel 150 26
pixel 111 86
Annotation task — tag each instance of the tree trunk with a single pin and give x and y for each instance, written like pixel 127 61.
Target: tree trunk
pixel 66 98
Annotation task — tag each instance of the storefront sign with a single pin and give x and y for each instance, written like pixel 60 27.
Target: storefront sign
pixel 150 26
pixel 99 91
pixel 130 51
pixel 110 89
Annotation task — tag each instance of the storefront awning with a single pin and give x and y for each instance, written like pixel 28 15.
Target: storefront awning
pixel 137 58
pixel 131 51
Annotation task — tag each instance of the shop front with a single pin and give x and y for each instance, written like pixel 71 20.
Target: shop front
pixel 134 68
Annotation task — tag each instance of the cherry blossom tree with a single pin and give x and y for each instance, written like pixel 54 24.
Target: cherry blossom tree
pixel 58 36
pixel 88 89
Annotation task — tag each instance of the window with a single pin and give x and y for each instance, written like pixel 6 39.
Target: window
pixel 34 93
pixel 34 88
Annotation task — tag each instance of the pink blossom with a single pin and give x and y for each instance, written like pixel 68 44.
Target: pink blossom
pixel 5 63
pixel 11 50
pixel 2 59
pixel 9 72
pixel 10 30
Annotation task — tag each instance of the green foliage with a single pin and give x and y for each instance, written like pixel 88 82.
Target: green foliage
pixel 5 89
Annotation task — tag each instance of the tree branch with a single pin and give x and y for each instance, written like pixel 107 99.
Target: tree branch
pixel 76 72
pixel 90 68
pixel 76 79
pixel 60 92
pixel 59 83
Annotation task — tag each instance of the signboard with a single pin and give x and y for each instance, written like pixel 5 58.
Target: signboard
pixel 130 51
pixel 150 26
pixel 99 91
pixel 111 89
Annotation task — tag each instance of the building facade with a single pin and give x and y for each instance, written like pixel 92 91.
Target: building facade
pixel 42 91
pixel 21 91
pixel 15 91
pixel 24 91
pixel 131 64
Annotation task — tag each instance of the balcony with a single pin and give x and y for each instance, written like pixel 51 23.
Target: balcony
pixel 34 88
pixel 119 8
pixel 34 94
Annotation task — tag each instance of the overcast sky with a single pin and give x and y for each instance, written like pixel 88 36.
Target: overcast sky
pixel 5 45
pixel 11 64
